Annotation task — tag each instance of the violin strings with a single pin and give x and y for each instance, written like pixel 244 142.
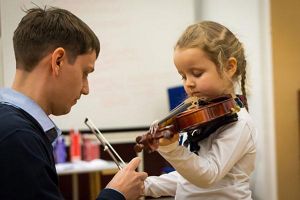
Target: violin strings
pixel 178 109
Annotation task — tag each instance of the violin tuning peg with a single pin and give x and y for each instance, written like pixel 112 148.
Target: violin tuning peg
pixel 138 139
pixel 138 148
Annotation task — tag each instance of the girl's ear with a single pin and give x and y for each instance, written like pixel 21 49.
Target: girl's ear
pixel 231 67
pixel 57 60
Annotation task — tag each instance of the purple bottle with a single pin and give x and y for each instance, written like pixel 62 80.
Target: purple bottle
pixel 60 153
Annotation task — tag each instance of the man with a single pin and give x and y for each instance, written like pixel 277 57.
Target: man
pixel 55 52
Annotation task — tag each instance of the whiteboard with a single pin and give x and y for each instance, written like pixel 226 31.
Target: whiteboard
pixel 135 67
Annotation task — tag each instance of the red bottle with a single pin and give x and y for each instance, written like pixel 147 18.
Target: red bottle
pixel 91 150
pixel 75 145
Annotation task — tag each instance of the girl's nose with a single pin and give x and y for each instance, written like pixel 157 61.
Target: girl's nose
pixel 190 82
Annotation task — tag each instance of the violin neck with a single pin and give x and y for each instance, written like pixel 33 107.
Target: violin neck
pixel 192 101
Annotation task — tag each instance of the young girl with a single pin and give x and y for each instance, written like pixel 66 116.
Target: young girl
pixel 211 62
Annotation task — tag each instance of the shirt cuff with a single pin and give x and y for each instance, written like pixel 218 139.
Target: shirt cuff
pixel 110 194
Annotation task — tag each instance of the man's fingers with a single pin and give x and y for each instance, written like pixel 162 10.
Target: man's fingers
pixel 142 190
pixel 143 175
pixel 133 164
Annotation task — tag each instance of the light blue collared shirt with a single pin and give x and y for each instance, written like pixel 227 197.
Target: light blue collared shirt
pixel 19 100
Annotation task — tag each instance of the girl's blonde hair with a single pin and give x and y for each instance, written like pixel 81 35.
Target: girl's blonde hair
pixel 219 44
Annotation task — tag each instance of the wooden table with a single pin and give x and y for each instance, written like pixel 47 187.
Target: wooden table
pixel 94 168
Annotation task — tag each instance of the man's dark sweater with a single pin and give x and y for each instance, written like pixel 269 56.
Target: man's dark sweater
pixel 27 167
pixel 26 161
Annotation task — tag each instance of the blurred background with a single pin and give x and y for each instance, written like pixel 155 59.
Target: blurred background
pixel 135 71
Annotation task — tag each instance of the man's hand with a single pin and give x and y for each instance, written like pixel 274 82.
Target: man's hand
pixel 129 182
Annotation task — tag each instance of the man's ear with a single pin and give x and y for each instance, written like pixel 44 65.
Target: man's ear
pixel 57 60
pixel 231 67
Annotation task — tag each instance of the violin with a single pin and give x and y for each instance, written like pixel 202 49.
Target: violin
pixel 193 113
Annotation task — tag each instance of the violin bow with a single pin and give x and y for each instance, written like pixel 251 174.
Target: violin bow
pixel 106 146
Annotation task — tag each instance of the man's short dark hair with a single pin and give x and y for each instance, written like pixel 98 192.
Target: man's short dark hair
pixel 42 30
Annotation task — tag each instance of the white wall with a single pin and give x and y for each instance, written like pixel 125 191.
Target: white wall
pixel 135 67
pixel 1 65
pixel 135 64
pixel 1 60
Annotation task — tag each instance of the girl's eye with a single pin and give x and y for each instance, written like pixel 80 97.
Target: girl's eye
pixel 197 74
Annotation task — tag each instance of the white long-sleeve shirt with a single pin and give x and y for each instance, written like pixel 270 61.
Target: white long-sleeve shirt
pixel 221 170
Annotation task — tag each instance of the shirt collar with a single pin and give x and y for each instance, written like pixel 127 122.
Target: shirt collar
pixel 19 100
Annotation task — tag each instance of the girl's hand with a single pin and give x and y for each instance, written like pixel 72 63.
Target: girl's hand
pixel 156 137
pixel 169 136
pixel 167 141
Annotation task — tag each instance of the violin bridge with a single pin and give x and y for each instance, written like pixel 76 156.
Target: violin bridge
pixel 192 102
pixel 235 109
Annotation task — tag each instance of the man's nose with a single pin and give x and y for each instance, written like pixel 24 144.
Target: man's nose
pixel 85 89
